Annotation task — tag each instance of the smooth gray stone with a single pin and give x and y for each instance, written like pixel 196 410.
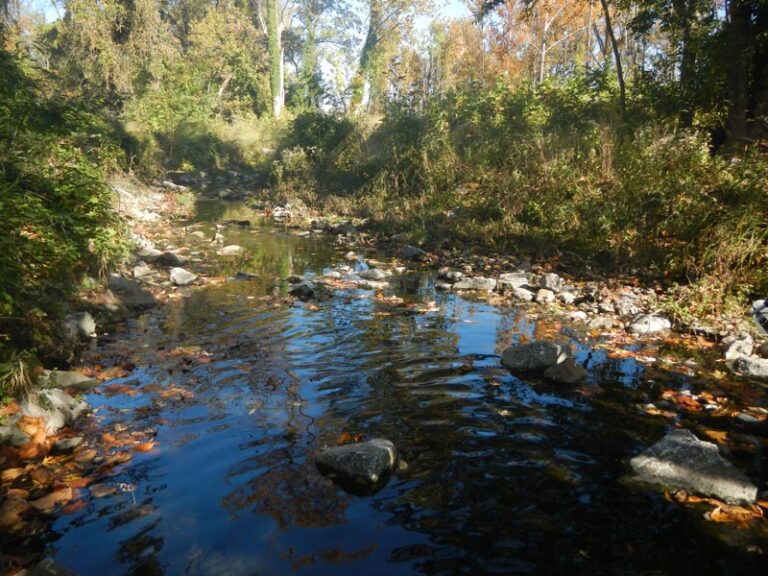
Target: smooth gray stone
pixel 512 280
pixel 477 283
pixel 551 282
pixel 752 367
pixel 649 324
pixel 545 296
pixel 682 461
pixel 67 379
pixel 13 436
pixel 181 277
pixel 523 294
pixel 360 466
pixel 533 356
pixel 567 372
pixel 412 253
pixel 374 274
pixel 131 294
pixel 66 445
pixel 231 250
pixel 736 346
pixel 55 406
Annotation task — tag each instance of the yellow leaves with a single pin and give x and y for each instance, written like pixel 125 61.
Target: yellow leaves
pixel 721 512
pixel 717 435
pixel 58 496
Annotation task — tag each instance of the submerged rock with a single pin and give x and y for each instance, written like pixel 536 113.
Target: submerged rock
pixel 649 324
pixel 374 274
pixel 361 468
pixel 67 379
pixel 533 356
pixel 566 372
pixel 181 277
pixel 303 291
pixel 682 461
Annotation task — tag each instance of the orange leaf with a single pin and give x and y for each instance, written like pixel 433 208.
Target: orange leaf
pixel 144 447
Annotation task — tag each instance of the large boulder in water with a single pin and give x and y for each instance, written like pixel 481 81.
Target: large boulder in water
pixel 361 468
pixel 533 356
pixel 682 461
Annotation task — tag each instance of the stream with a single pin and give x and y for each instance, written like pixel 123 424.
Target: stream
pixel 241 389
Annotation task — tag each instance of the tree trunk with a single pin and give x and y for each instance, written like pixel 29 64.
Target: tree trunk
pixel 617 58
pixel 367 67
pixel 275 49
pixel 738 41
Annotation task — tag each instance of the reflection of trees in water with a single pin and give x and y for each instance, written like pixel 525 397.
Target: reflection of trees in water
pixel 294 494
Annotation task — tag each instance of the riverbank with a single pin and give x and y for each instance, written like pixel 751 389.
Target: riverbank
pixel 234 255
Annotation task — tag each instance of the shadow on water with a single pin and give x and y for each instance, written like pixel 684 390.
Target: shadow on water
pixel 505 475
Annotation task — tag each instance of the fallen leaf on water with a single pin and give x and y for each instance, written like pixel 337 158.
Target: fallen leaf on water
pixel 726 513
pixel 10 512
pixel 85 455
pixel 102 490
pixel 11 474
pixel 144 447
pixel 73 507
pixel 717 435
pixel 348 438
pixel 48 502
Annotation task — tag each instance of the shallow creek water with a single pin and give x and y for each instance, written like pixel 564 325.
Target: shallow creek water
pixel 505 475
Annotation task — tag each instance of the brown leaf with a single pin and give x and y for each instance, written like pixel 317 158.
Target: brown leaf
pixel 73 507
pixel 31 426
pixel 48 502
pixel 102 490
pixel 85 455
pixel 11 474
pixel 10 512
pixel 144 447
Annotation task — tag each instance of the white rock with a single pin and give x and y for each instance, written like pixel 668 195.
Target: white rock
pixel 181 277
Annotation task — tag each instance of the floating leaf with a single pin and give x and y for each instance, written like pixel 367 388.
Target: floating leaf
pixel 47 503
pixel 144 447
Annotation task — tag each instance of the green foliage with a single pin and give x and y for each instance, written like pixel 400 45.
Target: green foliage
pixel 17 375
pixel 57 220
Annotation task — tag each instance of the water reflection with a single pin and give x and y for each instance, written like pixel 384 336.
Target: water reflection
pixel 504 475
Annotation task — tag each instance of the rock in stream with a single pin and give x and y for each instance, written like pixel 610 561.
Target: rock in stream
pixel 363 468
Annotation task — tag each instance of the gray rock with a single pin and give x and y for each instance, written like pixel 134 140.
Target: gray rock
pixel 360 467
pixel 149 254
pixel 198 234
pixel 736 346
pixel 443 286
pixel 13 436
pixel 67 445
pixel 181 277
pixel 762 350
pixel 566 298
pixel 606 307
pixel 680 460
pixel 372 284
pixel 412 253
pixel 131 294
pixel 303 291
pixel 141 270
pixel 512 280
pixel 55 406
pixel 523 294
pixel 566 372
pixel 578 316
pixel 538 355
pixel 374 274
pixel 649 324
pixel 545 296
pixel 477 283
pixel 752 367
pixel 80 326
pixel 551 282
pixel 171 259
pixel 231 250
pixel 67 379
pixel 601 323
pixel 449 275
pixel 294 279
